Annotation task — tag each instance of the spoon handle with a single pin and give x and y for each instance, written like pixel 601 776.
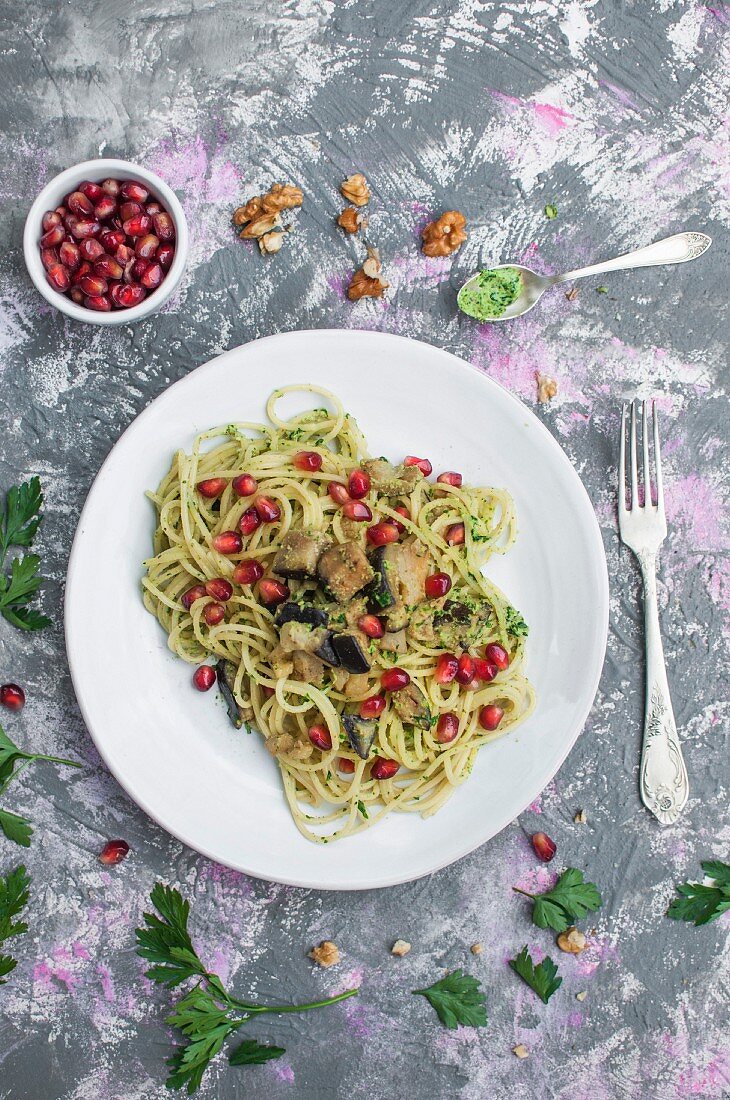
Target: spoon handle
pixel 672 250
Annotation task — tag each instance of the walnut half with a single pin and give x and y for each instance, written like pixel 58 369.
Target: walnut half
pixel 445 235
pixel 351 220
pixel 355 189
pixel 367 281
pixel 326 954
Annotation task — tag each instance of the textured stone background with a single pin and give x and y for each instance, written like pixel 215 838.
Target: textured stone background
pixel 618 114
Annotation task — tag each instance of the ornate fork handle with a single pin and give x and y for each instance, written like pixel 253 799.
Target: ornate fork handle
pixel 663 776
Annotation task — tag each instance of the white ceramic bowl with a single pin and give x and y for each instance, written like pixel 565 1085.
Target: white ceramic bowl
pixel 96 171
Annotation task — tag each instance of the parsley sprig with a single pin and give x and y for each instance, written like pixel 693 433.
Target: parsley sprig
pixel 457 999
pixel 16 827
pixel 206 1014
pixel 541 978
pixel 14 894
pixel 18 526
pixel 700 903
pixel 568 901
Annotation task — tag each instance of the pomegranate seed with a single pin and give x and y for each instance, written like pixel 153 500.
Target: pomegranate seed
pixel 498 655
pixel 382 533
pixel 111 187
pixel 372 707
pixel 137 226
pixel 545 848
pixel 152 208
pixel 268 692
pixel 345 765
pixel 94 284
pixel 267 510
pixel 152 277
pixel 219 589
pixel 165 255
pixel 91 249
pixel 272 592
pixel 212 487
pixel 114 851
pixel 307 461
pixel 105 208
pixel 137 268
pixel 83 227
pixel 197 592
pixel 69 255
pixel 438 584
pixel 465 672
pixel 77 295
pixel 484 670
pixel 79 273
pixel 58 277
pixel 228 542
pixel 490 716
pixel 92 190
pixel 245 485
pixel 108 267
pixel 358 484
pixel 338 492
pixel 447 667
pixel 355 509
pixel 61 211
pixel 214 613
pixel 384 769
pixel 127 296
pixel 111 240
pixel 248 572
pixel 164 226
pixel 372 626
pixel 55 236
pixel 423 464
pixel 98 302
pixel 455 534
pixel 450 477
pixel 402 511
pixel 50 219
pixel 49 257
pixel 78 204
pixel 249 521
pixel 320 737
pixel 146 246
pixel 393 679
pixel 123 253
pixel 130 189
pixel 12 696
pixel 447 728
pixel 129 210
pixel 204 678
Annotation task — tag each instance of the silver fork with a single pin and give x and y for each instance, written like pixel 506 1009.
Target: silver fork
pixel 663 776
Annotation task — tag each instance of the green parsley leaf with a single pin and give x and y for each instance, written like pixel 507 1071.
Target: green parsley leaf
pixel 14 894
pixel 22 514
pixel 251 1053
pixel 16 828
pixel 703 904
pixel 516 625
pixel 551 211
pixel 361 809
pixel 568 901
pixel 457 999
pixel 18 526
pixel 542 978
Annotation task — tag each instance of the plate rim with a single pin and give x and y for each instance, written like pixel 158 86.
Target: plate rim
pixel 602 619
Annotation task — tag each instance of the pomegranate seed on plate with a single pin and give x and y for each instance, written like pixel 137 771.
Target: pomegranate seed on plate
pixel 94 284
pixel 211 487
pixel 152 277
pixel 110 186
pixel 545 848
pixel 272 592
pixel 50 219
pixel 447 667
pixel 372 707
pixel 53 237
pixel 78 204
pixel 204 678
pixel 447 728
pixel 69 255
pixel 309 461
pixel 438 584
pixel 498 655
pixel 455 534
pixel 248 572
pixel 320 737
pixel 450 477
pixel 130 189
pixel 197 592
pixel 402 511
pixel 249 521
pixel 61 211
pixel 371 625
pixel 91 249
pixel 105 208
pixel 268 692
pixel 382 533
pixel 108 267
pixel 423 464
pixel 219 589
pixel 465 672
pixel 355 509
pixel 267 510
pixel 358 484
pixel 338 492
pixel 98 302
pixel 164 225
pixel 214 613
pixel 12 696
pixel 129 210
pixel 111 239
pixel 384 769
pixel 58 277
pixel 393 679
pixel 49 257
pixel 484 670
pixel 245 485
pixel 114 851
pixel 345 765
pixel 165 255
pixel 146 246
pixel 137 226
pixel 228 542
pixel 490 716
pixel 92 190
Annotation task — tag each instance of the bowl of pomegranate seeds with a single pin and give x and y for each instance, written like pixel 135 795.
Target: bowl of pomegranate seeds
pixel 106 242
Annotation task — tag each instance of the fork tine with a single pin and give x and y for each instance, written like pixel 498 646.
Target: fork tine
pixel 645 446
pixel 657 462
pixel 634 470
pixel 622 463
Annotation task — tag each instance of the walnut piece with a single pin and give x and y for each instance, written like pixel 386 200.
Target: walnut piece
pixel 355 189
pixel 261 214
pixel 580 817
pixel 271 242
pixel 581 996
pixel 546 388
pixel 476 949
pixel 572 941
pixel 246 213
pixel 445 235
pixel 264 223
pixel 521 1050
pixel 400 948
pixel 351 220
pixel 326 954
pixel 367 281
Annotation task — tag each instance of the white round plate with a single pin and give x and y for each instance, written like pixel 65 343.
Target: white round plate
pixel 173 749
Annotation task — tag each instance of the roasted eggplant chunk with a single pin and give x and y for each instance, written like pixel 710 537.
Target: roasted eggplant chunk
pixel 326 651
pixel 392 481
pixel 344 570
pixel 299 613
pixel 411 707
pixel 226 672
pixel 382 591
pixel 350 652
pixel 455 622
pixel 360 733
pixel 400 575
pixel 298 555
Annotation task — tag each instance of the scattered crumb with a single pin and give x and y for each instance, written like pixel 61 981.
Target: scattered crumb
pixel 351 220
pixel 572 294
pixel 444 235
pixel 355 189
pixel 581 996
pixel 580 817
pixel 551 211
pixel 601 290
pixel 326 954
pixel 400 948
pixel 476 949
pixel 546 387
pixel 521 1051
pixel 572 941
pixel 367 281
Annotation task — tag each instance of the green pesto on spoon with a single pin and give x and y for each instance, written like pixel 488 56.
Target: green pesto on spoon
pixel 509 290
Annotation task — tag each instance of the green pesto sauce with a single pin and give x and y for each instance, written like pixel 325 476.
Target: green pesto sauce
pixel 491 293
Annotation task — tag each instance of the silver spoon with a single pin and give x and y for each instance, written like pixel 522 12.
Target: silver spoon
pixel 672 250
